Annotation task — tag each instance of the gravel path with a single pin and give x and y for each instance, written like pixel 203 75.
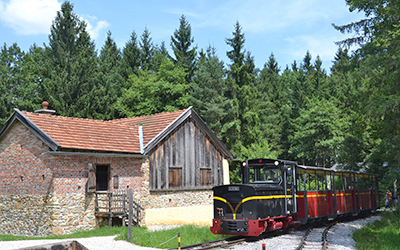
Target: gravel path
pixel 339 238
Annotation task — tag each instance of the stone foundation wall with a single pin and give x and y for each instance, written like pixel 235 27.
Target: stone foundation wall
pixel 177 198
pixel 45 215
pixel 72 212
pixel 25 215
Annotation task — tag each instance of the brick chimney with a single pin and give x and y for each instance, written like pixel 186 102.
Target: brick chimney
pixel 45 109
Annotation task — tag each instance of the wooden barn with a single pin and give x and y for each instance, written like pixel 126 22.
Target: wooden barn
pixel 58 173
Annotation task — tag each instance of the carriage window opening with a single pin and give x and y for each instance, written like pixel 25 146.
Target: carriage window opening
pixel 361 184
pixel 348 182
pixel 299 182
pixel 370 182
pixel 311 181
pixel 321 184
pixel 329 179
pixel 339 182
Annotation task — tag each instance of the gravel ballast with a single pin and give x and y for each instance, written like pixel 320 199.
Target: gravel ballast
pixel 339 238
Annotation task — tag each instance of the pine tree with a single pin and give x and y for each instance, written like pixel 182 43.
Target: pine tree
pixel 110 81
pixel 242 129
pixel 71 63
pixel 273 104
pixel 146 51
pixel 131 56
pixel 208 91
pixel 181 43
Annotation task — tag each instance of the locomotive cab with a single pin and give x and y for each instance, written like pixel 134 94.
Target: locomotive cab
pixel 265 200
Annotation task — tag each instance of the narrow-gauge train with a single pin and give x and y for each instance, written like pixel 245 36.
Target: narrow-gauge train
pixel 279 194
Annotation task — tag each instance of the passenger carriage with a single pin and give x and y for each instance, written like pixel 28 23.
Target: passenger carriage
pixel 279 194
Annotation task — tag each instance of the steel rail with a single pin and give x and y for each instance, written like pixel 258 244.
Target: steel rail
pixel 324 240
pixel 215 243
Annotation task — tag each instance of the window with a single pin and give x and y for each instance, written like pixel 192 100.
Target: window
pixel 266 174
pixel 175 177
pixel 102 177
pixel 205 177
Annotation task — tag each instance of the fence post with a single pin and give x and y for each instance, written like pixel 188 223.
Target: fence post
pixel 130 197
pixel 179 241
pixel 109 209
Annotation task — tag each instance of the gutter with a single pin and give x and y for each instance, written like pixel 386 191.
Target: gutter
pixel 94 154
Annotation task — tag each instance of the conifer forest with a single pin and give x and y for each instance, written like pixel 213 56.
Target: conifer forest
pixel 349 116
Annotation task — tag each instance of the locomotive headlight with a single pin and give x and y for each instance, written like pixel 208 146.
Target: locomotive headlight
pixel 276 163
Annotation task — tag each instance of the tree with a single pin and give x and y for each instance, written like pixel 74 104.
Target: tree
pixel 319 133
pixel 18 85
pixel 181 43
pixel 242 126
pixel 378 35
pixel 146 51
pixel 273 104
pixel 131 56
pixel 110 80
pixel 208 90
pixel 149 93
pixel 71 65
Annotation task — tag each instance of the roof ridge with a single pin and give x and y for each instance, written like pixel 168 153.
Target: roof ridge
pixel 143 116
pixel 65 117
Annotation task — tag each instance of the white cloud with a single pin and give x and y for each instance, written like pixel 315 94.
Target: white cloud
pixel 94 31
pixel 29 17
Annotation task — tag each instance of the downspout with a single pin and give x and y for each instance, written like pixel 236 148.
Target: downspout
pixel 141 139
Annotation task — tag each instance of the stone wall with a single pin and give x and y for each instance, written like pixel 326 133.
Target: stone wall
pixel 45 215
pixel 72 212
pixel 25 215
pixel 177 198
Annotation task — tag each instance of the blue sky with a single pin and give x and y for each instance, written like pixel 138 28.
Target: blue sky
pixel 286 28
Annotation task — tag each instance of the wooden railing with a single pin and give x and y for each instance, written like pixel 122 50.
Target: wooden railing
pixel 116 204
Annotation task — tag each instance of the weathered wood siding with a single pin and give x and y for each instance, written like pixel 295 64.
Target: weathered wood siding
pixel 186 159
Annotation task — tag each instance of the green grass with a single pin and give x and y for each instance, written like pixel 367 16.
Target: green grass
pixel 383 234
pixel 140 236
pixel 189 235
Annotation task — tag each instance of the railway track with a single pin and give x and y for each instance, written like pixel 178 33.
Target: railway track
pixel 231 241
pixel 221 243
pixel 315 238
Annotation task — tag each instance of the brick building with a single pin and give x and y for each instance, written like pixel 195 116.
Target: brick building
pixel 52 167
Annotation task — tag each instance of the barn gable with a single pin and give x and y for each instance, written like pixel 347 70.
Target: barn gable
pixel 186 157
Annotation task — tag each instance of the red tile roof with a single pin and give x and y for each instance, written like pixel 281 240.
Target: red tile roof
pixel 152 124
pixel 114 136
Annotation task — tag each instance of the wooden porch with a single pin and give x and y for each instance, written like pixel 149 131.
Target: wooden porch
pixel 116 204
